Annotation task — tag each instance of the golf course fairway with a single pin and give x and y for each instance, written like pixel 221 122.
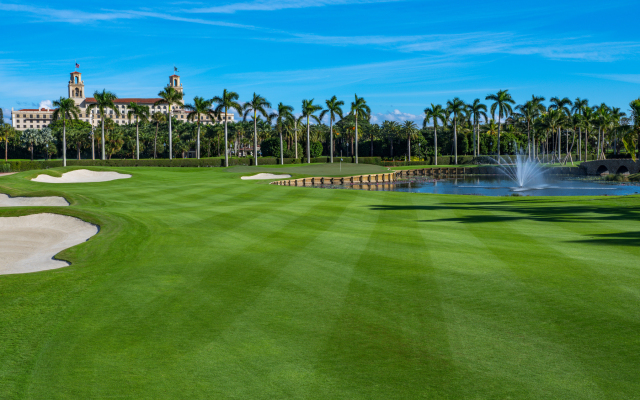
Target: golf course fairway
pixel 200 285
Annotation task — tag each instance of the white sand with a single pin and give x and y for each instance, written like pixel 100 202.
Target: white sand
pixel 8 201
pixel 27 244
pixel 266 176
pixel 82 176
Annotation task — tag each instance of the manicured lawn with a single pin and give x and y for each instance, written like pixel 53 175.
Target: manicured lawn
pixel 200 285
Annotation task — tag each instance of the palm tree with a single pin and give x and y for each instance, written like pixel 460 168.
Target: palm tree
pixel 588 121
pixel 199 108
pixel 104 101
pixel 257 104
pixel 7 132
pixel 157 117
pixel 563 106
pixel 67 109
pixel 308 111
pixel 333 109
pixel 551 121
pixel 283 113
pixel 140 112
pixel 359 107
pixel 502 102
pixel 602 120
pixel 635 115
pixel 457 109
pixel 579 107
pixel 435 113
pixel 411 131
pixel 529 111
pixel 389 130
pixel 227 101
pixel 477 110
pixel 171 97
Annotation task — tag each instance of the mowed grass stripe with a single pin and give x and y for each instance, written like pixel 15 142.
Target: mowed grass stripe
pixel 524 329
pixel 241 277
pixel 562 314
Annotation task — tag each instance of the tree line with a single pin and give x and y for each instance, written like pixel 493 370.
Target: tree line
pixel 555 132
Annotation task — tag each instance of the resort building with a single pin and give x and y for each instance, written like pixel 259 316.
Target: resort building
pixel 40 118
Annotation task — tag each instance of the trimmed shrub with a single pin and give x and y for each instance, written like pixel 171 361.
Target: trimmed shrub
pixel 5 167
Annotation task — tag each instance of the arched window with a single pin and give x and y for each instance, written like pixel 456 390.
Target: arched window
pixel 77 92
pixel 76 79
pixel 175 82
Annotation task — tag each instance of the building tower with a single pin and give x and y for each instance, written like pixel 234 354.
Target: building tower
pixel 174 82
pixel 76 88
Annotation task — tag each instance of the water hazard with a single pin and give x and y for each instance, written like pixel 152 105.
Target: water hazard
pixel 504 186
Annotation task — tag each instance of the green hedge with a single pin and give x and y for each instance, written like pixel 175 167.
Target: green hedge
pixel 5 167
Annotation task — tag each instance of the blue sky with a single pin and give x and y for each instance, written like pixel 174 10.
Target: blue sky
pixel 399 55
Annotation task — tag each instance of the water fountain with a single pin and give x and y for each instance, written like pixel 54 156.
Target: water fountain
pixel 522 171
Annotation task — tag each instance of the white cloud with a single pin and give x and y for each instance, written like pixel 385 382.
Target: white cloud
pixel 629 78
pixel 274 5
pixel 395 115
pixel 481 43
pixel 45 104
pixel 71 16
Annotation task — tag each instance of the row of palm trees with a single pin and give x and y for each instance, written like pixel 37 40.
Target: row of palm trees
pixel 214 108
pixel 561 114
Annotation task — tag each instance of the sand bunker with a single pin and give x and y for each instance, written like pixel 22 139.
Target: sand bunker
pixel 82 176
pixel 28 244
pixel 8 201
pixel 266 176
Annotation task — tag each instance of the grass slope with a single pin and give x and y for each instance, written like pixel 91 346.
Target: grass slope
pixel 200 285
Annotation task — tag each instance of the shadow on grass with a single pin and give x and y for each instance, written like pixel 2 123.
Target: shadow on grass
pixel 614 239
pixel 507 211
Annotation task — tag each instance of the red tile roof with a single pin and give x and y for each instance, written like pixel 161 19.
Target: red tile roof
pixel 35 109
pixel 177 76
pixel 76 72
pixel 90 100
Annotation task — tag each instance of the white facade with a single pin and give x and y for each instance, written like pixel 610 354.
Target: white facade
pixel 40 118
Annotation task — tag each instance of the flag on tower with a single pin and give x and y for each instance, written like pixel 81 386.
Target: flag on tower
pixel 175 69
pixel 77 65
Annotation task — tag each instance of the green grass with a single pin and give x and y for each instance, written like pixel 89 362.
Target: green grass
pixel 203 286
pixel 314 169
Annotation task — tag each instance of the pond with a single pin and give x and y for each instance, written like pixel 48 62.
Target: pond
pixel 503 186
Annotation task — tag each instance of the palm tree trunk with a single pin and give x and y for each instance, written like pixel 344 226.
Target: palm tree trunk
pixel 93 146
pixel 255 138
pixel 371 144
pixel 155 142
pixel 435 142
pixel 455 140
pixel 170 136
pixel 331 137
pixel 474 140
pixel 6 149
pixel 281 149
pixel 226 145
pixel 579 144
pixel 409 147
pixel 308 144
pixel 295 135
pixel 64 143
pixel 598 148
pixel 198 145
pixel 499 121
pixel 103 151
pixel 78 148
pixel 356 149
pixel 586 144
pixel 137 140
